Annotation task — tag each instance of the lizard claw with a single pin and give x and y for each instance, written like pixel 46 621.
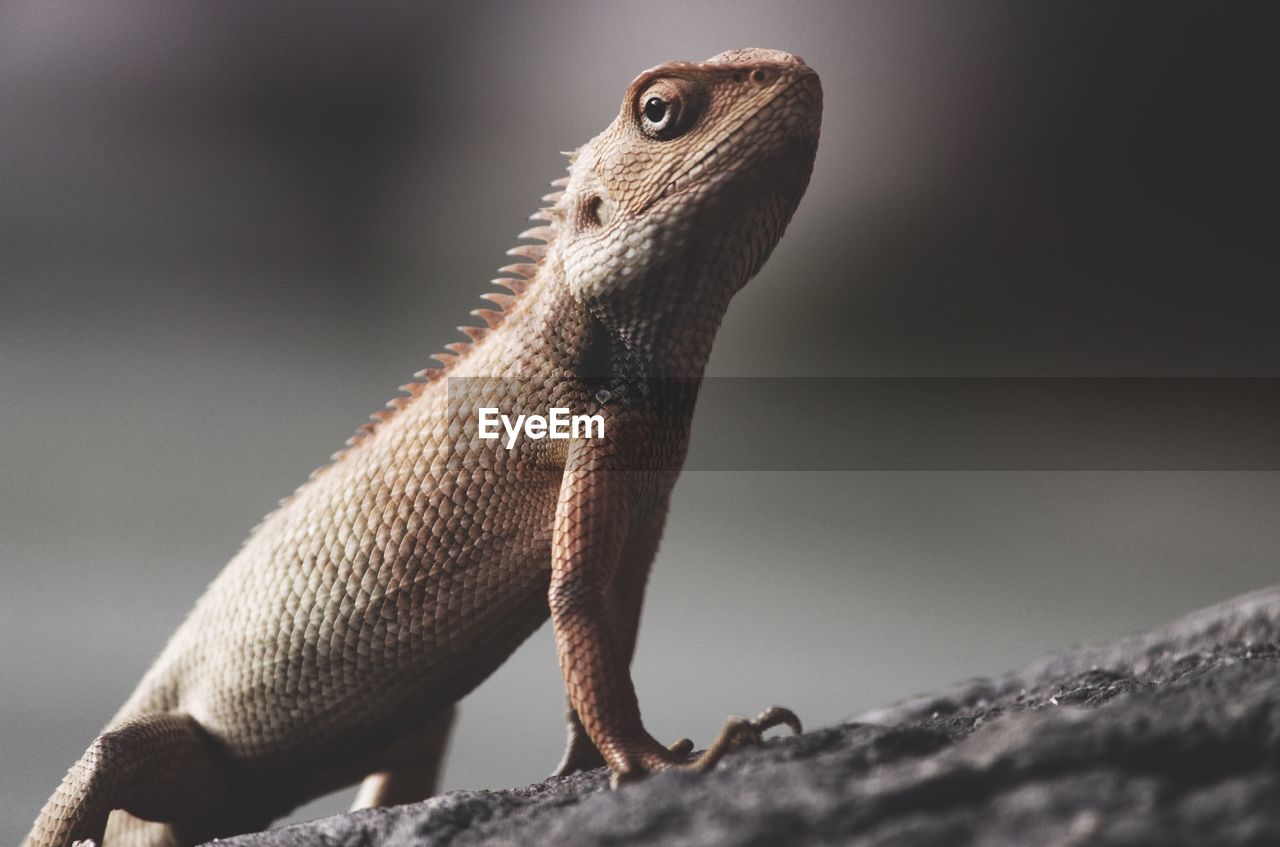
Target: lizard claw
pixel 736 733
pixel 739 732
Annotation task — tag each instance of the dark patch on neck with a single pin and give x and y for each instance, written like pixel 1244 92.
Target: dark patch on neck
pixel 614 373
pixel 605 360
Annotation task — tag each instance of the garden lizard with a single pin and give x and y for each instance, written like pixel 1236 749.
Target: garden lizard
pixel 332 647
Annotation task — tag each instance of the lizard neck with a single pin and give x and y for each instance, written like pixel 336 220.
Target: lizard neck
pixel 666 331
pixel 645 338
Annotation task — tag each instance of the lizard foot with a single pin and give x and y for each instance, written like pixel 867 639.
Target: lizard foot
pixel 739 732
pixel 579 754
pixel 736 733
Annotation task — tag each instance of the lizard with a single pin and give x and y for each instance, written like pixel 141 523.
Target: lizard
pixel 333 647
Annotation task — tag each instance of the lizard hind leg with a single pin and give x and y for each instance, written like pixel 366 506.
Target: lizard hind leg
pixel 409 770
pixel 580 754
pixel 158 767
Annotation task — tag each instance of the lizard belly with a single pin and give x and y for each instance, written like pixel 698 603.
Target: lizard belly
pixel 328 635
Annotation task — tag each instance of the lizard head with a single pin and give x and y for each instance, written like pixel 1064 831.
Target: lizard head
pixel 680 200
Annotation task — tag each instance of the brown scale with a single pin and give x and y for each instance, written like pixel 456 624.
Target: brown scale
pixel 332 647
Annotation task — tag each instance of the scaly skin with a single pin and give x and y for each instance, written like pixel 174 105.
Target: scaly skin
pixel 333 646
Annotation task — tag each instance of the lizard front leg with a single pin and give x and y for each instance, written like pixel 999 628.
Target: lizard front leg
pixel 591 527
pixel 623 600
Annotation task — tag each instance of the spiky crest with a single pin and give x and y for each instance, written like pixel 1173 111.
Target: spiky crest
pixel 519 275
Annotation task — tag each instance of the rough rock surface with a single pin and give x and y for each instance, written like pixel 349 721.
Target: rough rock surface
pixel 1168 738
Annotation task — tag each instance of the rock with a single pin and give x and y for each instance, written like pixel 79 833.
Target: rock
pixel 1168 738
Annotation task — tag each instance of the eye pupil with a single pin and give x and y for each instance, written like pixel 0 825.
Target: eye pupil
pixel 655 109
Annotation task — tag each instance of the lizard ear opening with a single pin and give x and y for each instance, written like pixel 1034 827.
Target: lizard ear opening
pixel 594 212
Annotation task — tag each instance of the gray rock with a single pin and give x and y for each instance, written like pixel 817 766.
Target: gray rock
pixel 1168 738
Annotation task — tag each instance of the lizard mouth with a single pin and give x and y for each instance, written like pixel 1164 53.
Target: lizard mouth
pixel 794 123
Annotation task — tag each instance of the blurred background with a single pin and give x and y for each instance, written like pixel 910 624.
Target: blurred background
pixel 228 231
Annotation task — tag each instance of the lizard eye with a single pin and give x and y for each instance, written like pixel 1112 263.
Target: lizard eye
pixel 655 110
pixel 663 111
